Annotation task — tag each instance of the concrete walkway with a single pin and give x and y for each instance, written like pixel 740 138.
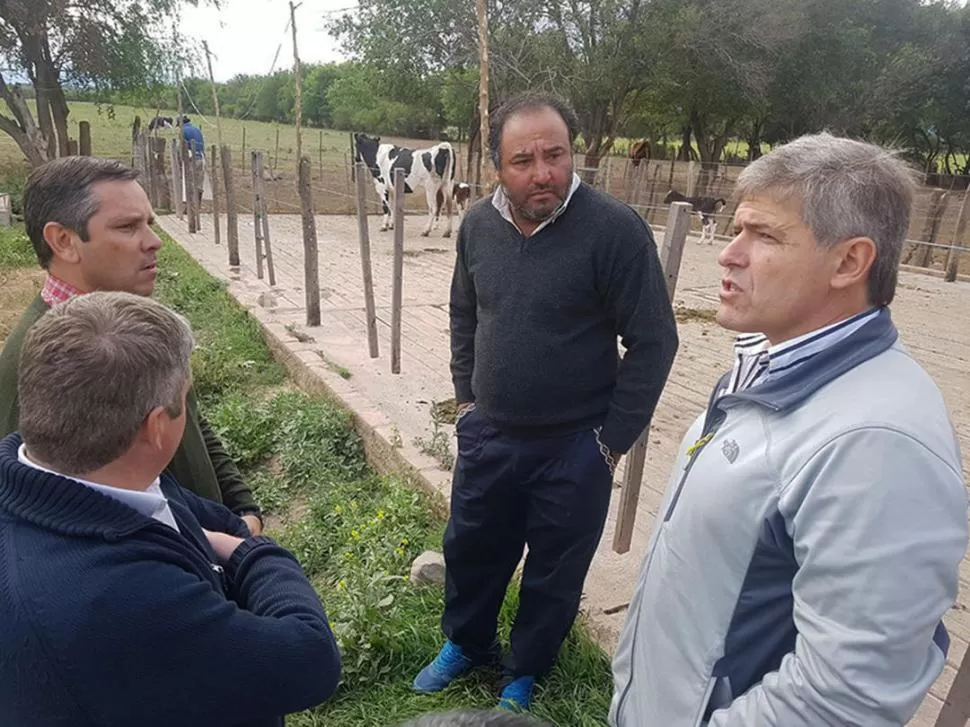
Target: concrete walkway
pixel 393 412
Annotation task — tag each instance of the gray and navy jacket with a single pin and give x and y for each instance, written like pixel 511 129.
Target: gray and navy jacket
pixel 807 547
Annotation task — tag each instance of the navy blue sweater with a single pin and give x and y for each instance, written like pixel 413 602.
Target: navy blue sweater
pixel 534 321
pixel 110 617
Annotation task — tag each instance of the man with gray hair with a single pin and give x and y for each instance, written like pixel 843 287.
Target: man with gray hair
pixel 810 538
pixel 125 598
pixel 90 223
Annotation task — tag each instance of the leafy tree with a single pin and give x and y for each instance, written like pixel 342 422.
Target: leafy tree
pixel 105 45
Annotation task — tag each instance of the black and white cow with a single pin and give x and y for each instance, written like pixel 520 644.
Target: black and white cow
pixel 705 207
pixel 161 122
pixel 432 168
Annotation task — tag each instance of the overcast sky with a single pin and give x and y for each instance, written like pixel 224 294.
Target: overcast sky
pixel 244 34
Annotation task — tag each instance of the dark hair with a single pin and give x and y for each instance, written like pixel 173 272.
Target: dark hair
pixel 528 101
pixel 475 718
pixel 60 191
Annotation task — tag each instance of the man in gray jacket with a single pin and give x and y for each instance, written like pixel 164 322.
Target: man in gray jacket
pixel 810 538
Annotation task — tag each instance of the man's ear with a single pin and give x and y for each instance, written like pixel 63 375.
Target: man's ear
pixel 854 259
pixel 154 426
pixel 61 241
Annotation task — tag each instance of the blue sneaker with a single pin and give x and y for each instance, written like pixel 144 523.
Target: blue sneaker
pixel 449 664
pixel 517 695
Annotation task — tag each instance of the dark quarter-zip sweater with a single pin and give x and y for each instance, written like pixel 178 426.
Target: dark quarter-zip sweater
pixel 534 321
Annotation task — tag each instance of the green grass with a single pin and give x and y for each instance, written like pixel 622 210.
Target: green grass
pixel 15 248
pixel 354 531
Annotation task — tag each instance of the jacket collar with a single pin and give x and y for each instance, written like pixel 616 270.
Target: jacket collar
pixel 871 339
pixel 60 504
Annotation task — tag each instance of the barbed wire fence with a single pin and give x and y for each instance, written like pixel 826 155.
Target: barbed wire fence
pixel 937 237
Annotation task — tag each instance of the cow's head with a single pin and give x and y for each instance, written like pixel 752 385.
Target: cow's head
pixel 366 149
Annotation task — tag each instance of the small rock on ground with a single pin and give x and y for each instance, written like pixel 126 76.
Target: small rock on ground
pixel 428 569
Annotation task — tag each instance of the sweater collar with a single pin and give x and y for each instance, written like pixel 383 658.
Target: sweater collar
pixel 500 201
pixel 60 504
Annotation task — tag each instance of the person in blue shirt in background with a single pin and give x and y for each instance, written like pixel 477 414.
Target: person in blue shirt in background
pixel 196 143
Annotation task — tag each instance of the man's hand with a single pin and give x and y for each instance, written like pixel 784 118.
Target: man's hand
pixel 222 543
pixel 253 523
pixel 463 407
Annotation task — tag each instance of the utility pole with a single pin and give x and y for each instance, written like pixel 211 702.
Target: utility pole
pixel 298 111
pixel 178 81
pixel 482 91
pixel 215 96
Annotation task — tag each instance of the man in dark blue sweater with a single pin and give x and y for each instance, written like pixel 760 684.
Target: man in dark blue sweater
pixel 124 598
pixel 549 272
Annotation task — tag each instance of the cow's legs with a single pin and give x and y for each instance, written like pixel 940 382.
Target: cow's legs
pixel 386 204
pixel 449 207
pixel 430 194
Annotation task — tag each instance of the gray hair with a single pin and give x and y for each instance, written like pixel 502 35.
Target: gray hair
pixel 475 718
pixel 528 101
pixel 60 191
pixel 91 370
pixel 846 188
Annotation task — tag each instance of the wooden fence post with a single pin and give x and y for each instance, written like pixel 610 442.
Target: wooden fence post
pixel 398 275
pixel 214 177
pixel 242 158
pixel 138 159
pixel 956 708
pixel 653 191
pixel 678 224
pixel 257 213
pixel 360 176
pixel 953 256
pixel 264 217
pixel 176 160
pixel 232 223
pixel 188 170
pixel 6 210
pixel 162 188
pixel 690 179
pixel 931 229
pixel 311 265
pixel 84 134
pixel 353 158
pixel 276 156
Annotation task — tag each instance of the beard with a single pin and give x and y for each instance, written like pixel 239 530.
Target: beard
pixel 535 211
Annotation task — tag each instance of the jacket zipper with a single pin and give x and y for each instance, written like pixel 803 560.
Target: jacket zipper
pixel 711 424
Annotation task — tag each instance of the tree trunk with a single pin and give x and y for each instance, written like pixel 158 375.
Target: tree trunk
pixel 686 152
pixel 472 165
pixel 22 128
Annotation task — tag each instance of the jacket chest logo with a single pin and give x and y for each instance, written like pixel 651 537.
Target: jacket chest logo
pixel 731 450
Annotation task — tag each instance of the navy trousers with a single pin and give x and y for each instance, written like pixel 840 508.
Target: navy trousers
pixel 551 494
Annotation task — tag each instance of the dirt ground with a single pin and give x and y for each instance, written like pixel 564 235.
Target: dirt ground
pixel 17 288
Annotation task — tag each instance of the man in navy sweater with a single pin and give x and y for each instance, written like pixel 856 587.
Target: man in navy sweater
pixel 549 272
pixel 124 598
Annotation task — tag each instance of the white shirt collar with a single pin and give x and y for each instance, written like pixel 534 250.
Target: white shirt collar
pixel 500 201
pixel 756 360
pixel 151 502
